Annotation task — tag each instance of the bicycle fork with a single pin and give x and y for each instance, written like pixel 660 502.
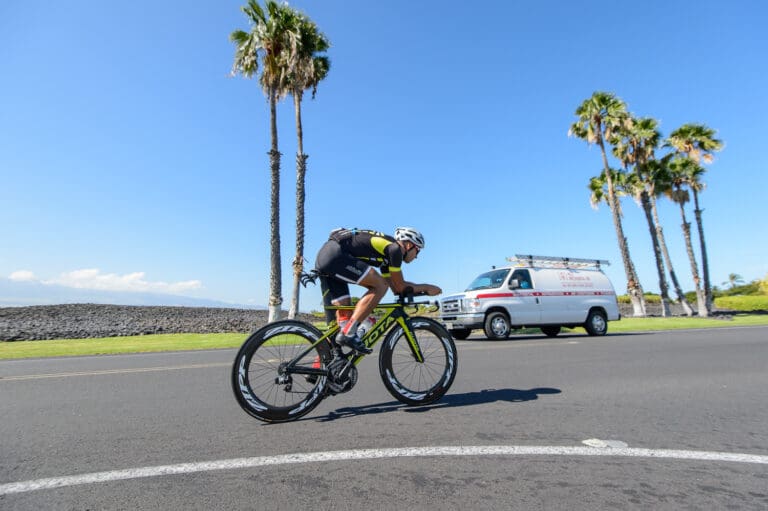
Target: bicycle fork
pixel 413 343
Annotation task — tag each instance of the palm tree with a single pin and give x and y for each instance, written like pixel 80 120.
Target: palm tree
pixel 698 142
pixel 598 188
pixel 733 279
pixel 634 143
pixel 598 116
pixel 659 181
pixel 308 69
pixel 269 45
pixel 681 171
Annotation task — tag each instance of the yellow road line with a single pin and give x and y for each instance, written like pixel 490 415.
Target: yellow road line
pixel 112 371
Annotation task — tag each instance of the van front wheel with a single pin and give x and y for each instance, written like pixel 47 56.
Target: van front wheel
pixel 596 323
pixel 497 326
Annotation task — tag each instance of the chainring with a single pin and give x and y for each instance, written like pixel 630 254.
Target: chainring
pixel 337 385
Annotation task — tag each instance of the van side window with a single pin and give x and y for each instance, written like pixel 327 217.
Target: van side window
pixel 523 278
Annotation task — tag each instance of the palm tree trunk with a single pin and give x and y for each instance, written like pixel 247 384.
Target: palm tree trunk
pixel 275 280
pixel 704 262
pixel 672 275
pixel 663 287
pixel 701 304
pixel 634 289
pixel 301 171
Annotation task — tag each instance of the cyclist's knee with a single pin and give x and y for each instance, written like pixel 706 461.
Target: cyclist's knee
pixel 381 291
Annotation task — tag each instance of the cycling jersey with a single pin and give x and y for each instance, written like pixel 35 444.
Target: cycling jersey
pixel 374 248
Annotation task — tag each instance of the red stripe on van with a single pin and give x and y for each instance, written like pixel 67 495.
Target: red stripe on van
pixel 546 293
pixel 497 295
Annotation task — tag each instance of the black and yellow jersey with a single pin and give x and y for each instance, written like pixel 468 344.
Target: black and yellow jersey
pixel 375 248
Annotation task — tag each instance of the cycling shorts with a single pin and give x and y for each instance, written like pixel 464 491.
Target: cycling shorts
pixel 338 269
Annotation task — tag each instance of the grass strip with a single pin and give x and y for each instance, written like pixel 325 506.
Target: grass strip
pixel 682 323
pixel 114 345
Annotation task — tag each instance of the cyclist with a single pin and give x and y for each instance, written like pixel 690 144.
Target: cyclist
pixel 350 256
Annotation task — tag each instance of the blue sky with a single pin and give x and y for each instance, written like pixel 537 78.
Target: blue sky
pixel 130 159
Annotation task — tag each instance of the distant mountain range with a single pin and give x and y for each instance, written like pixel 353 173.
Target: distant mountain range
pixel 19 294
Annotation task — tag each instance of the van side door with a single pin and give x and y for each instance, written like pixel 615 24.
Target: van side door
pixel 524 306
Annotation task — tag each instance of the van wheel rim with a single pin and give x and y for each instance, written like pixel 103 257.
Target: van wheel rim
pixel 598 323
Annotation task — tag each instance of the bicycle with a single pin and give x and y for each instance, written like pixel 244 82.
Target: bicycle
pixel 286 368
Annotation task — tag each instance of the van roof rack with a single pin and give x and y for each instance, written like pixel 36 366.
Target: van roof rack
pixel 557 262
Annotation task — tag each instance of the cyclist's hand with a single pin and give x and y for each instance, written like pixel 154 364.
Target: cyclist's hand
pixel 432 290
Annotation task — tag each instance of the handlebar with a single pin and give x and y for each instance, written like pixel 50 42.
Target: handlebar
pixel 407 296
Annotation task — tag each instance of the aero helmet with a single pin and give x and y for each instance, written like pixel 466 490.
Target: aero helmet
pixel 410 234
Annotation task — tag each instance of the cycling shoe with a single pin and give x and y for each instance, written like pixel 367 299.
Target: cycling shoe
pixel 354 342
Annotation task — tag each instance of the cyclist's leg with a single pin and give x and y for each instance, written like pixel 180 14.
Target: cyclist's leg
pixel 341 269
pixel 377 288
pixel 335 293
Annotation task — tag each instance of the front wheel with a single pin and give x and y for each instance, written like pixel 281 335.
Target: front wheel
pixel 263 385
pixel 497 325
pixel 413 382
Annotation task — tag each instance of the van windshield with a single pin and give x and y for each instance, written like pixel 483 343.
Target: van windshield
pixel 489 280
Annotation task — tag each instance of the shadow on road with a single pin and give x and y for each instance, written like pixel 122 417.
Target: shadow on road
pixel 448 401
pixel 478 339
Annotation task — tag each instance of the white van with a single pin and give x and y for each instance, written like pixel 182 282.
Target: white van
pixel 534 291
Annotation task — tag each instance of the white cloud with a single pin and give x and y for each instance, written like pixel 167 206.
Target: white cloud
pixel 92 278
pixel 22 276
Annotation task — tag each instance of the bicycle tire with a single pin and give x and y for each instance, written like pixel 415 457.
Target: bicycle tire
pixel 255 372
pixel 413 382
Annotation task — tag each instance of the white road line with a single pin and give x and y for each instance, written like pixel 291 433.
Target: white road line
pixel 369 454
pixel 112 371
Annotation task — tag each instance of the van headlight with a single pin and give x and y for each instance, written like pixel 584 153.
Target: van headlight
pixel 471 304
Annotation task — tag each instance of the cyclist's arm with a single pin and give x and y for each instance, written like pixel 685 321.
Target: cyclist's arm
pixel 397 284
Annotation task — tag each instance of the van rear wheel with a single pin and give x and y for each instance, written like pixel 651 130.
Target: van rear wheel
pixel 551 330
pixel 497 326
pixel 596 323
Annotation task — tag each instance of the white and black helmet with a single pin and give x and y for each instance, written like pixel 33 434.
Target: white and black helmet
pixel 410 234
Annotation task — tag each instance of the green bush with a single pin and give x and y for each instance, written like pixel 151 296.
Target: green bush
pixel 743 303
pixel 753 288
pixel 649 298
pixel 652 298
pixel 756 288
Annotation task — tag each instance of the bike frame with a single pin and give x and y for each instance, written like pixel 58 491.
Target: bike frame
pixel 394 313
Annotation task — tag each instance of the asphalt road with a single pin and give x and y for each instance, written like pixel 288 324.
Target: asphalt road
pixel 670 420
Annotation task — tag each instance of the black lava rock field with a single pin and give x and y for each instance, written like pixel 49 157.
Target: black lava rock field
pixel 78 321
